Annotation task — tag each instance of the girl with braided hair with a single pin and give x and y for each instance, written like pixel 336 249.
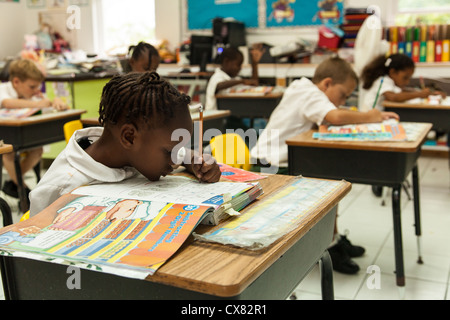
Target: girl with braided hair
pixel 143 57
pixel 138 113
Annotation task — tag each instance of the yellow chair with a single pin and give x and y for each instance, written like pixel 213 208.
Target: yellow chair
pixel 25 216
pixel 231 149
pixel 70 127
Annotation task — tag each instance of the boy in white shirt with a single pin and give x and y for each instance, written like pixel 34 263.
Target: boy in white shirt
pixel 307 103
pixel 24 91
pixel 227 75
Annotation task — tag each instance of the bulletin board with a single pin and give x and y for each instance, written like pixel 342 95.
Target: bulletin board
pixel 265 13
pixel 200 13
pixel 294 13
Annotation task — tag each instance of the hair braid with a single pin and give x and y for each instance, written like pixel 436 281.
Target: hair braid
pixel 135 96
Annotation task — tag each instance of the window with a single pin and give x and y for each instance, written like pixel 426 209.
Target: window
pixel 412 12
pixel 120 24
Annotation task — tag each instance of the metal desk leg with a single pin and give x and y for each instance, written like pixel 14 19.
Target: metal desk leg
pixel 23 204
pixel 415 180
pixel 326 275
pixel 399 268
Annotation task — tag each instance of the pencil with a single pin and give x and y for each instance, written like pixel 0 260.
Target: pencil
pixel 200 139
pixel 378 93
pixel 422 83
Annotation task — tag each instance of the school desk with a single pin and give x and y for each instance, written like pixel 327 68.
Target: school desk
pixel 438 115
pixel 31 132
pixel 366 162
pixel 249 106
pixel 200 270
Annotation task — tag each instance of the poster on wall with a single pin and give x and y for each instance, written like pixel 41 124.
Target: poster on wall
pixel 294 13
pixel 201 13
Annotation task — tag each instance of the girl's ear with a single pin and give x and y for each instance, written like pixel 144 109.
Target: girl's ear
pixel 128 135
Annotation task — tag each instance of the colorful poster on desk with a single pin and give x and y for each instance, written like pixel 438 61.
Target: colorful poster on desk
pixel 201 13
pixel 294 13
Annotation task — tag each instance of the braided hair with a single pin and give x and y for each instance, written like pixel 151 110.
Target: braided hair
pixel 381 66
pixel 136 51
pixel 134 96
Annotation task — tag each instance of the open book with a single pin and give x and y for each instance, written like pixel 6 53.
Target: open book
pixel 248 90
pixel 18 112
pixel 129 228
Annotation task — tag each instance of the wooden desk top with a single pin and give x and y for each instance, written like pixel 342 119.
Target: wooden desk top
pixel 14 122
pixel 404 105
pixel 305 139
pixel 224 270
pixel 6 148
pixel 271 95
pixel 207 115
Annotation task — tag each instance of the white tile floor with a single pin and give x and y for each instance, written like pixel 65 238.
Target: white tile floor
pixel 370 225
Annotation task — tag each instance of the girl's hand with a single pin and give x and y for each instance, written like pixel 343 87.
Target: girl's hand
pixel 206 171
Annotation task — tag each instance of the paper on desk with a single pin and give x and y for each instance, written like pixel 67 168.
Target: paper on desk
pixel 274 217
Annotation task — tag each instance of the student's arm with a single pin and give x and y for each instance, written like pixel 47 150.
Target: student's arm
pixel 406 95
pixel 256 52
pixel 342 116
pixel 21 103
pixel 228 84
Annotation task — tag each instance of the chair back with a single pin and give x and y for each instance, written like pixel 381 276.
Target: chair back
pixel 70 127
pixel 230 149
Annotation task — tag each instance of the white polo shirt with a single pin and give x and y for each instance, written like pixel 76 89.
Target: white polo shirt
pixel 303 105
pixel 369 95
pixel 218 77
pixel 7 91
pixel 72 168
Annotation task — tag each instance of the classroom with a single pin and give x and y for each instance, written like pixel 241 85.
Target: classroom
pixel 298 150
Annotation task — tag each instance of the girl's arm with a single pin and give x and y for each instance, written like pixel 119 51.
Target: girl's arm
pixel 406 95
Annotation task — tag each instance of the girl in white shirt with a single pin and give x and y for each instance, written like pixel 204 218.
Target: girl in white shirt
pixel 385 78
pixel 139 113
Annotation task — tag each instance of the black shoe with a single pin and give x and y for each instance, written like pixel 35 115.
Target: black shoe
pixel 353 251
pixel 10 188
pixel 341 260
pixel 377 191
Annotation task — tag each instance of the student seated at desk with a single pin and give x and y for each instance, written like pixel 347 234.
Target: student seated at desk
pixel 138 113
pixel 23 90
pixel 385 78
pixel 143 57
pixel 306 103
pixel 227 75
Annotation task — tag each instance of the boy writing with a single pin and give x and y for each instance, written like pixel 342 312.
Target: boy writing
pixel 227 75
pixel 306 103
pixel 138 112
pixel 24 91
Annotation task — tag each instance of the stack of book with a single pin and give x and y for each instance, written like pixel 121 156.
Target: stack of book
pixel 353 19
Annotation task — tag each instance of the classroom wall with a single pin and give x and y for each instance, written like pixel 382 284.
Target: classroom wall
pixel 16 19
pixel 12 27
